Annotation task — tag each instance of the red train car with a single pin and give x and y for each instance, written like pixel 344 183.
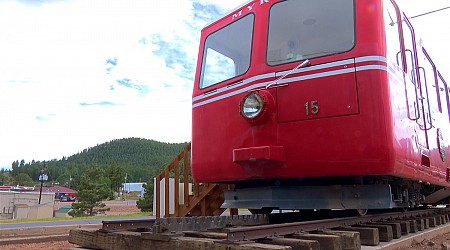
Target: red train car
pixel 324 104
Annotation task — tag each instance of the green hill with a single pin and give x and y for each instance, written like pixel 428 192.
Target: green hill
pixel 142 159
pixel 132 152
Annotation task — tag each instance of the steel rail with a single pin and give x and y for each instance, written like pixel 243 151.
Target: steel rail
pixel 250 233
pixel 252 227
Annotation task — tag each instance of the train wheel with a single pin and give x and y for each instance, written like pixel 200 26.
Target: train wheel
pixel 361 212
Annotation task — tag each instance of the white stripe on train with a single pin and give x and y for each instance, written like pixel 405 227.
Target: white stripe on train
pixel 291 79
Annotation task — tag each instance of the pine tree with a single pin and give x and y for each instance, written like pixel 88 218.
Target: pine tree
pixel 94 187
pixel 23 179
pixel 145 204
pixel 116 174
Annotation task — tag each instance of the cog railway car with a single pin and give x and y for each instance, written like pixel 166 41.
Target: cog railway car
pixel 324 104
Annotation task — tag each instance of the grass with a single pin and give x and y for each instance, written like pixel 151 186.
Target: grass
pixel 99 217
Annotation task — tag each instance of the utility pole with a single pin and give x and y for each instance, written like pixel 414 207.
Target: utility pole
pixel 42 177
pixel 125 186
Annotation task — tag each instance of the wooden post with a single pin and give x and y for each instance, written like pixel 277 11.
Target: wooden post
pixel 166 193
pixel 186 171
pixel 234 211
pixel 203 207
pixel 196 189
pixel 176 192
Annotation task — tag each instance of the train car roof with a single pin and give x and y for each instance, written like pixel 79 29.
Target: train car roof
pixel 229 12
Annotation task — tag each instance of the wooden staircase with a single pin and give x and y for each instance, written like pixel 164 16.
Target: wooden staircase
pixel 204 199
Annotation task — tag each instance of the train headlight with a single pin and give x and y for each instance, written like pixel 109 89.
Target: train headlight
pixel 252 105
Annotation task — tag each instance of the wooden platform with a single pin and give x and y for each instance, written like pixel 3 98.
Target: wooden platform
pixel 380 235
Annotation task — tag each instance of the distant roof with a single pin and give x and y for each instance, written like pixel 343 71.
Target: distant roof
pixel 64 209
pixel 17 188
pixel 57 189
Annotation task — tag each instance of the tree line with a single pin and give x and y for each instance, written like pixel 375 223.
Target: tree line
pixel 140 159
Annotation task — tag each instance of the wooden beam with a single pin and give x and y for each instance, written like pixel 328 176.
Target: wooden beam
pixel 166 193
pixel 177 187
pixel 186 172
pixel 133 240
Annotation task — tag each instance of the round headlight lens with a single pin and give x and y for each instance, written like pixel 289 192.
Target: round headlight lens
pixel 252 105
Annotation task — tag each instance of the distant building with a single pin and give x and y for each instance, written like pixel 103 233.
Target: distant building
pixel 61 193
pixel 18 205
pixel 17 188
pixel 133 187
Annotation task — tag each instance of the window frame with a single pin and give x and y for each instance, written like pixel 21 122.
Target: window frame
pixel 447 92
pixel 318 56
pixel 204 52
pixel 436 81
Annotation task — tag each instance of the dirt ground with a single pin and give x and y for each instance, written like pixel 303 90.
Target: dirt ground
pixel 437 243
pixel 115 209
pixel 122 208
pixel 52 245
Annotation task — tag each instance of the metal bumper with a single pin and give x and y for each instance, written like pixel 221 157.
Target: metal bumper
pixel 311 197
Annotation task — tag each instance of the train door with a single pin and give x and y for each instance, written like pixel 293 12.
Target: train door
pixel 303 30
pixel 417 111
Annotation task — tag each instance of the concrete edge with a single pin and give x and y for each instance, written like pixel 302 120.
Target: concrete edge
pixel 34 240
pixel 42 231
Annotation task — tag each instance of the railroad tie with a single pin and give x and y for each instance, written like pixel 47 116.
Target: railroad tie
pixel 368 236
pixel 349 240
pixel 385 231
pixel 295 244
pixel 329 242
pixel 420 224
pixel 396 228
pixel 405 226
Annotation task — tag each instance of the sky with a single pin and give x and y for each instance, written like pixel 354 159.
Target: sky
pixel 77 73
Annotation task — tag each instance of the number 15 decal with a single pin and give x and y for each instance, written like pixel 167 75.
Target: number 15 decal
pixel 311 108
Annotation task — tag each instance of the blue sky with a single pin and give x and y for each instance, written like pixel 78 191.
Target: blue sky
pixel 77 73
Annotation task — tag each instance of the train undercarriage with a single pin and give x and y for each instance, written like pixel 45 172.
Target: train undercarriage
pixel 355 193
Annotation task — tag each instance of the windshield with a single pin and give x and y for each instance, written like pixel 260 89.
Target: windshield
pixel 227 52
pixel 304 29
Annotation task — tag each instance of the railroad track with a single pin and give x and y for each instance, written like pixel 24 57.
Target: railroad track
pixel 278 231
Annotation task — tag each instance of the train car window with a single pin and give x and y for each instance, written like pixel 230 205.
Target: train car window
pixel 393 41
pixel 430 75
pixel 427 73
pixel 445 89
pixel 415 106
pixel 409 51
pixel 227 52
pixel 305 29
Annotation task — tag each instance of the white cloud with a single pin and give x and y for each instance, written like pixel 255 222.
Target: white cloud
pixel 54 59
